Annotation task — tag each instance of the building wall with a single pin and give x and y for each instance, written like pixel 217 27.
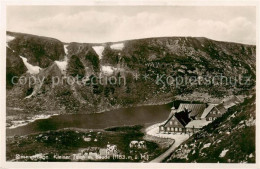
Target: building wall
pixel 172 129
pixel 211 118
pixel 192 130
pixel 213 115
pixel 163 129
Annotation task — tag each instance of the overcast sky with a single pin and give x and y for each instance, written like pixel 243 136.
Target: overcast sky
pixel 104 24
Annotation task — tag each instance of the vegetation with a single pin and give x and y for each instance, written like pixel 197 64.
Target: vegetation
pixel 67 142
pixel 75 67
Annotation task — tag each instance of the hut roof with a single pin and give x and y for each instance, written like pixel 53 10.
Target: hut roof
pixel 196 109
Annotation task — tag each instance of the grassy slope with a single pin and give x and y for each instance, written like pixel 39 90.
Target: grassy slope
pixel 68 141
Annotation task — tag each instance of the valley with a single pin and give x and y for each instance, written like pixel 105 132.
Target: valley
pixel 58 119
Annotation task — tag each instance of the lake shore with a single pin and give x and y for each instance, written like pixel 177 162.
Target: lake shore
pixel 23 120
pixel 19 123
pixel 141 115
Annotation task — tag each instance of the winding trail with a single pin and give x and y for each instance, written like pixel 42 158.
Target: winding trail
pixel 176 143
pixel 160 158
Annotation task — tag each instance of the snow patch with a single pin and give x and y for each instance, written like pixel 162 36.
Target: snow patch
pixel 66 49
pixel 206 145
pixel 117 46
pixel 87 139
pixel 251 155
pixel 8 46
pixel 9 38
pixel 223 153
pixel 250 122
pixel 99 50
pixel 31 69
pixel 218 141
pixel 33 93
pixel 20 123
pixel 63 64
pixel 107 70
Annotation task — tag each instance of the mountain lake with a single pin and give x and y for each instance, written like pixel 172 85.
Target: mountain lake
pixel 143 115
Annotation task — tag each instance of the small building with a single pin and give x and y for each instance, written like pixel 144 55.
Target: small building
pixel 142 145
pixel 176 122
pixel 137 144
pixel 133 144
pixel 192 117
pixel 111 149
pixel 212 112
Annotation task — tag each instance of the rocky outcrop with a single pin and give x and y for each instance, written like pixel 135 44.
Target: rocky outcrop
pixel 40 51
pixel 14 67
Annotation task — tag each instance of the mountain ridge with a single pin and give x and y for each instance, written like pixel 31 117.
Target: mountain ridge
pixel 120 41
pixel 184 56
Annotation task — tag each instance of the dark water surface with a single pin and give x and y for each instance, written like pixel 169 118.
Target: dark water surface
pixel 120 117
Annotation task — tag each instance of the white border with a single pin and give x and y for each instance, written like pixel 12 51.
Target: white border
pixel 50 165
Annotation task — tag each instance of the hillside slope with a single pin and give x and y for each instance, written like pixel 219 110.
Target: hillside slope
pixel 169 56
pixel 229 139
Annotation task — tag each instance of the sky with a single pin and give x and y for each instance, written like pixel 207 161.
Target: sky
pixel 97 24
